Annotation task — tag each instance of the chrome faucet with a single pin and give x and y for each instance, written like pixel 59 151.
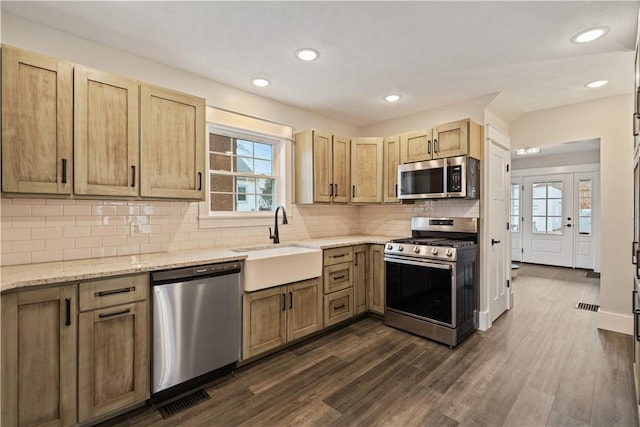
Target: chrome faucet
pixel 276 236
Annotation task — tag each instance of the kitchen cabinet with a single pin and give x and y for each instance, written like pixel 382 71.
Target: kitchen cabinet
pixel 391 160
pixel 322 167
pixel 106 144
pixel 272 317
pixel 366 170
pixel 376 281
pixel 172 135
pixel 459 138
pixel 360 261
pixel 338 275
pixel 113 352
pixel 37 123
pixel 416 146
pixel 39 357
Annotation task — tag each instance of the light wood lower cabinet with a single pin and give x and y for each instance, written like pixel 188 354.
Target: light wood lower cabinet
pixel 376 279
pixel 338 306
pixel 113 341
pixel 360 261
pixel 275 316
pixel 39 350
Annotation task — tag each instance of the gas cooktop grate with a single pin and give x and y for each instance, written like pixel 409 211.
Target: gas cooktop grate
pixel 589 307
pixel 183 403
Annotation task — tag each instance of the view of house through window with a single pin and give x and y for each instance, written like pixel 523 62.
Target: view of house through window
pixel 241 173
pixel 546 213
pixel 585 201
pixel 515 208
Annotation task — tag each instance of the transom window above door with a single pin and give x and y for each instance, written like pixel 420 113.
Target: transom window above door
pixel 546 207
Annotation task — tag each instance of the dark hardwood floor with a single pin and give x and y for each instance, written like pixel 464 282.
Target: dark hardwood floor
pixel 542 363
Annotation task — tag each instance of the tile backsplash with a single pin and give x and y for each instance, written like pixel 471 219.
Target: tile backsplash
pixel 43 230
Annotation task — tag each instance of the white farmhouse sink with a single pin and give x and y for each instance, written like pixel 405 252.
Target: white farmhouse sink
pixel 274 266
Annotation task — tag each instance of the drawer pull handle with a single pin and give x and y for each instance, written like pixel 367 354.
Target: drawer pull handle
pixel 116 313
pixel 339 256
pixel 284 302
pixel 339 277
pixel 290 299
pixel 339 307
pixel 115 291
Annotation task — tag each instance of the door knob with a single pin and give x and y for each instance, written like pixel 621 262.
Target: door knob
pixel 569 225
pixel 493 242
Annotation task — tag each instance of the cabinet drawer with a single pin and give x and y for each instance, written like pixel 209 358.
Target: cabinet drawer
pixel 338 255
pixel 337 277
pixel 108 292
pixel 338 306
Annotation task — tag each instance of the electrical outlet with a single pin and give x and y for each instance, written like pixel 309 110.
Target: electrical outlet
pixel 136 228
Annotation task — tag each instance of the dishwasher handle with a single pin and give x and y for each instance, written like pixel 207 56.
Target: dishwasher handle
pixel 194 273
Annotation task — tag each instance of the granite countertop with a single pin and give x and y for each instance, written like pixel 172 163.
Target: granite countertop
pixel 28 275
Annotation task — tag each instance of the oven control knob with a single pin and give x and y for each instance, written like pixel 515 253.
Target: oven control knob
pixel 434 251
pixel 389 246
pixel 448 252
pixel 416 249
pixel 400 248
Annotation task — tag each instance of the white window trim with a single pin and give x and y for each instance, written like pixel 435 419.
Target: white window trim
pixel 282 161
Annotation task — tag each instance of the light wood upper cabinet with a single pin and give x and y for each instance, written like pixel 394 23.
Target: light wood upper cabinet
pixel 460 138
pixel 376 279
pixel 39 350
pixel 391 160
pixel 37 123
pixel 366 170
pixel 321 167
pixel 172 144
pixel 360 261
pixel 417 146
pixel 106 143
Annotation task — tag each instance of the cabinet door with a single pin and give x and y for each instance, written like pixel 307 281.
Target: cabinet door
pixel 37 123
pixel 360 255
pixel 322 166
pixel 264 321
pixel 39 349
pixel 341 163
pixel 366 170
pixel 113 359
pixel 338 276
pixel 304 315
pixel 451 139
pixel 105 134
pixel 172 140
pixel 376 279
pixel 391 160
pixel 416 146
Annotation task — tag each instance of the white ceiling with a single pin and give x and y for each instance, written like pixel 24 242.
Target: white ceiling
pixel 433 53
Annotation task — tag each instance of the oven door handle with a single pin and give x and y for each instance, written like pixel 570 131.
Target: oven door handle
pixel 447 266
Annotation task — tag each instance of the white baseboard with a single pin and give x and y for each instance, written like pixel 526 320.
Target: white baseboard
pixel 615 322
pixel 484 321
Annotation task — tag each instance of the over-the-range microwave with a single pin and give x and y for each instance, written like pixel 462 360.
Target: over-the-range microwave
pixel 440 178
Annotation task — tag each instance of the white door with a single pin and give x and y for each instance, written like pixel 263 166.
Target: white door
pixel 516 212
pixel 499 185
pixel 547 228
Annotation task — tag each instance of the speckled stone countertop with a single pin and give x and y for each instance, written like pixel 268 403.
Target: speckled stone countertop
pixel 29 275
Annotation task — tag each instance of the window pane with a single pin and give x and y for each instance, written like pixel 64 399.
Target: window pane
pixel 585 187
pixel 244 164
pixel 539 224
pixel 265 203
pixel 263 151
pixel 539 190
pixel 515 191
pixel 265 185
pixel 246 203
pixel 539 207
pixel 515 207
pixel 262 167
pixel 515 224
pixel 584 225
pixel 585 205
pixel 555 190
pixel 223 183
pixel 244 148
pixel 220 162
pixel 220 143
pixel 554 207
pixel 554 225
pixel 245 185
pixel 221 202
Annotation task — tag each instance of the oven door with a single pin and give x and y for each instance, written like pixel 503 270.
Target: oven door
pixel 423 180
pixel 422 289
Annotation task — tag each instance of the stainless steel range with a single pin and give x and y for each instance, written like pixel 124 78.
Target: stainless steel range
pixel 432 279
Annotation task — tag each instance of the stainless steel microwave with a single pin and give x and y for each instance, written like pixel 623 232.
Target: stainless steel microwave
pixel 440 178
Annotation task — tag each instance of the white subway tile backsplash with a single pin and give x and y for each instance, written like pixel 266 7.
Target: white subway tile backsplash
pixel 47 233
pixel 46 256
pixel 16 234
pixel 53 244
pixel 9 209
pixel 27 245
pixel 16 258
pixel 47 210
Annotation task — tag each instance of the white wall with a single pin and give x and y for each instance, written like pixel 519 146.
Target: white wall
pixel 608 119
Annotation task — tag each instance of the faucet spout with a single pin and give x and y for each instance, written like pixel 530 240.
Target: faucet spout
pixel 276 234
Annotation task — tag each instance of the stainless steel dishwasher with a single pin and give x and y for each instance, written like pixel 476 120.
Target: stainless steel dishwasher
pixel 197 319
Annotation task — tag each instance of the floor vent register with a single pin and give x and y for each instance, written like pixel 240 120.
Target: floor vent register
pixel 183 403
pixel 589 307
pixel 592 275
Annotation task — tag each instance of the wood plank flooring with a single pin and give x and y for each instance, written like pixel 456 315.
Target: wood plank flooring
pixel 542 363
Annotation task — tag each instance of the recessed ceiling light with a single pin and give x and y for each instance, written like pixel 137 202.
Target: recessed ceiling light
pixel 597 83
pixel 260 82
pixel 590 35
pixel 393 98
pixel 307 54
pixel 527 151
